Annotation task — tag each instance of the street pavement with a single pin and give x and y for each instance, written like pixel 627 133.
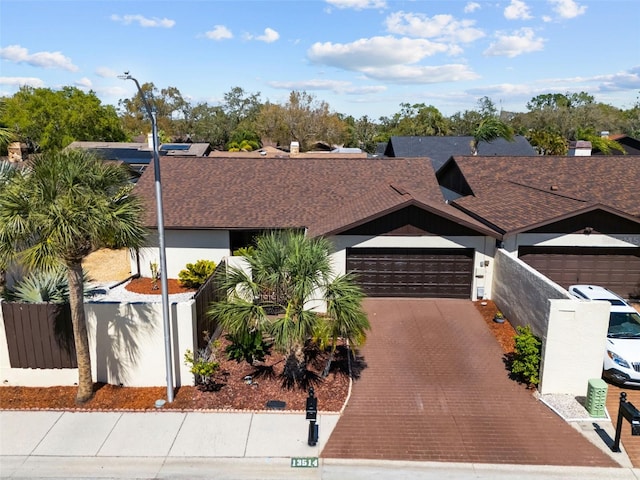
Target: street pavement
pixel 193 445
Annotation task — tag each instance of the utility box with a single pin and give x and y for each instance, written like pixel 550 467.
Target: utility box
pixel 597 397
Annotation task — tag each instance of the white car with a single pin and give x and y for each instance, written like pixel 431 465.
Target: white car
pixel 622 358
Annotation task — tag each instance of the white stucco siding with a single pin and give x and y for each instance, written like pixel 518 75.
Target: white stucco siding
pixel 182 247
pixel 511 244
pixel 484 248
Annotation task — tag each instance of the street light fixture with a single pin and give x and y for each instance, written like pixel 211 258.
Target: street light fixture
pixel 161 243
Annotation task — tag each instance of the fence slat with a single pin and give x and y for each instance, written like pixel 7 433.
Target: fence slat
pixel 31 335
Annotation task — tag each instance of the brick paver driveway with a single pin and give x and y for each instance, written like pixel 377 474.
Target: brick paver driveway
pixel 435 389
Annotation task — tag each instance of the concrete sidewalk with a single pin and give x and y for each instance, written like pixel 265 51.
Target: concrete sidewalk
pixel 32 443
pixel 178 445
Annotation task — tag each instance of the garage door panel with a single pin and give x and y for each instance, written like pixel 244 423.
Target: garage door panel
pixel 615 268
pixel 413 272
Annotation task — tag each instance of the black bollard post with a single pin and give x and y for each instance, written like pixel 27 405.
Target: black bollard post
pixel 312 413
pixel 616 443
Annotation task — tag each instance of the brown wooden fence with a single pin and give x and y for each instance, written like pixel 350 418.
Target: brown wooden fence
pixel 39 335
pixel 207 293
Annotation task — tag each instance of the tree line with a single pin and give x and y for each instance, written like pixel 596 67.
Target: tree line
pixel 47 119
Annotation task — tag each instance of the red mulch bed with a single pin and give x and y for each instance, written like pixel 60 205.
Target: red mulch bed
pixel 234 392
pixel 504 332
pixel 147 286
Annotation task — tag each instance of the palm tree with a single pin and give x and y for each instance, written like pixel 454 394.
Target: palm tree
pixel 7 171
pixel 488 130
pixel 289 274
pixel 6 135
pixel 64 206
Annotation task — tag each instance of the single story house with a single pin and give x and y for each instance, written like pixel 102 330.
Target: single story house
pixel 404 230
pixel 386 217
pixel 574 219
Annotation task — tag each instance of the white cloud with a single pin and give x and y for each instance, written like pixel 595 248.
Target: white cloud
pixel 335 86
pixel 269 36
pixel 390 59
pixel 106 72
pixel 357 4
pixel 409 74
pixel 567 8
pixel 219 32
pixel 621 81
pixel 84 82
pixel 376 52
pixel 441 27
pixel 18 54
pixel 517 10
pixel 471 7
pixel 521 41
pixel 143 21
pixel 22 81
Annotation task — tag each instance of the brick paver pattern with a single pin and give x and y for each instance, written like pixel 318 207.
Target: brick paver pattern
pixel 435 388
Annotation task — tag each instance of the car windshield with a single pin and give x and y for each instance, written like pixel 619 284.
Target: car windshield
pixel 612 301
pixel 624 325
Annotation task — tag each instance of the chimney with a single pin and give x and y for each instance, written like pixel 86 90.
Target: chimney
pixel 17 152
pixel 294 148
pixel 150 140
pixel 580 148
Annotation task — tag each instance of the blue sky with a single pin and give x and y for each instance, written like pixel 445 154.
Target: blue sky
pixel 363 57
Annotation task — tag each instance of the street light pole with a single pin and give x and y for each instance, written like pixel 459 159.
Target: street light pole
pixel 161 243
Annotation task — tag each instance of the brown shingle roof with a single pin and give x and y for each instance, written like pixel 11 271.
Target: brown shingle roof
pixel 320 194
pixel 515 192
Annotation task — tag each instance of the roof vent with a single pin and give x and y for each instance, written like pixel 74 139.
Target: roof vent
pixel 554 188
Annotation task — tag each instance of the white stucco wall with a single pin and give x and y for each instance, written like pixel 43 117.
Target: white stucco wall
pixel 573 332
pixel 126 342
pixel 575 343
pixel 483 259
pixel 182 247
pixel 511 244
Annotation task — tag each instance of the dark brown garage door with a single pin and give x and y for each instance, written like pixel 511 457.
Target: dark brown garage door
pixel 411 272
pixel 615 268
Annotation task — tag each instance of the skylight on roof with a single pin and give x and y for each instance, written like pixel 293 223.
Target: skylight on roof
pixel 175 146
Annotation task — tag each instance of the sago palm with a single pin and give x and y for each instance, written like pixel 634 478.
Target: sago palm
pixel 64 206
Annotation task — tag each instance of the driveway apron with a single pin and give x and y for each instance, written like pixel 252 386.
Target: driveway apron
pixel 435 388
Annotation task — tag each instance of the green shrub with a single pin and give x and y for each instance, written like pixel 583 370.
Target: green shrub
pixel 204 363
pixel 244 251
pixel 250 348
pixel 526 359
pixel 196 274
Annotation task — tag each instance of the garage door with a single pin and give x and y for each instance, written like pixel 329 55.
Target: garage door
pixel 618 269
pixel 392 272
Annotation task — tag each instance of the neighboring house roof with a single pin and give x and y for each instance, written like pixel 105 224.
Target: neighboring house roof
pixel 630 145
pixel 135 153
pixel 517 193
pixel 440 149
pixel 185 149
pixel 325 195
pixel 272 152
